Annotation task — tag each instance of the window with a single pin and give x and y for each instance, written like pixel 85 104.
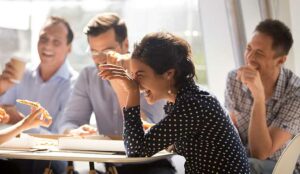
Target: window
pixel 142 16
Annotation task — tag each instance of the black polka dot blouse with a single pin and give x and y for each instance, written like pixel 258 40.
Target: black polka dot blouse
pixel 199 128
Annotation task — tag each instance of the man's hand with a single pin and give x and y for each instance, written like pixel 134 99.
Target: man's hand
pixel 83 131
pixel 4 117
pixel 250 77
pixel 9 73
pixel 5 84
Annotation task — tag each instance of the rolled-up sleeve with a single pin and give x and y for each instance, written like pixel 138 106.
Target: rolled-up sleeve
pixel 229 93
pixel 288 117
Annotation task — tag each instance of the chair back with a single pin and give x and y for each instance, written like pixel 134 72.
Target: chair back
pixel 288 159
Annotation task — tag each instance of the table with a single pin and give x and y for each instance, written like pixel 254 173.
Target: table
pixel 90 156
pixel 101 157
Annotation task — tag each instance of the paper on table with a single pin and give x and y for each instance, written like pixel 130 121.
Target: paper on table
pixel 23 142
pixel 52 142
pixel 95 143
pixel 26 141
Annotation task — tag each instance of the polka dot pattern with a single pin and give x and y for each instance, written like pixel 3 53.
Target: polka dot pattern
pixel 197 126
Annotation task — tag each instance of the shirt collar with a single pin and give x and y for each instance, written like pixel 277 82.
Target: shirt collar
pixel 63 72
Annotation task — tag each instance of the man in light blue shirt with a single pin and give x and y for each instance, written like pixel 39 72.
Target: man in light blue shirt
pixel 52 94
pixel 50 83
pixel 92 94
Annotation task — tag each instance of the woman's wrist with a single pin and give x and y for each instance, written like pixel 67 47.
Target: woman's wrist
pixel 20 126
pixel 133 98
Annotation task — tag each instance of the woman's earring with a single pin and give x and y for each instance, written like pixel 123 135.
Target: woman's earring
pixel 169 91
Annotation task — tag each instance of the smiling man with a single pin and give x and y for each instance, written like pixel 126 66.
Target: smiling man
pixel 50 84
pixel 263 97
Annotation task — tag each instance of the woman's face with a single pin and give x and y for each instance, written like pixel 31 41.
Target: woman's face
pixel 153 85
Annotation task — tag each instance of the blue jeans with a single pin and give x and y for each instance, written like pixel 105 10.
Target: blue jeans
pixel 261 166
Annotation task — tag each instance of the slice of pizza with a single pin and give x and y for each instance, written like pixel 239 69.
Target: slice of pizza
pixel 29 103
pixel 36 105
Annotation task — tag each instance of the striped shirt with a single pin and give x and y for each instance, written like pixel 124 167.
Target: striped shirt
pixel 283 108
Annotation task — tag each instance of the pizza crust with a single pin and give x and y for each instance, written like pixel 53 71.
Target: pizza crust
pixel 35 105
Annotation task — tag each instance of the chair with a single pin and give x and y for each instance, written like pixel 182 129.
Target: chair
pixel 287 161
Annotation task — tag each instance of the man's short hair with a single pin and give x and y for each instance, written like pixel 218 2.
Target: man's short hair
pixel 105 21
pixel 280 34
pixel 57 20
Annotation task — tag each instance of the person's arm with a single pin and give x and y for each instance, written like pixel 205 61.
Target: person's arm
pixel 33 120
pixel 263 141
pixel 230 100
pixel 163 134
pixel 122 60
pixel 8 102
pixel 78 109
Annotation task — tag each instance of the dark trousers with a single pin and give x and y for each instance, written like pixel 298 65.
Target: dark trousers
pixel 9 167
pixel 157 167
pixel 38 166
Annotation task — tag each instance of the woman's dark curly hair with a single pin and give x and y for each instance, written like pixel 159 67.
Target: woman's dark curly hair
pixel 163 51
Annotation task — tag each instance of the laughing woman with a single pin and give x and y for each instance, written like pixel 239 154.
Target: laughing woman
pixel 195 123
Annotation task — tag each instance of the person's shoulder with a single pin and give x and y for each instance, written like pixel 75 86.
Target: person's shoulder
pixel 293 82
pixel 195 92
pixel 89 76
pixel 232 74
pixel 198 97
pixel 88 72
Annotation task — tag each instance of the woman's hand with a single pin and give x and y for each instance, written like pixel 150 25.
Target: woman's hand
pixel 113 72
pixel 117 73
pixel 35 119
